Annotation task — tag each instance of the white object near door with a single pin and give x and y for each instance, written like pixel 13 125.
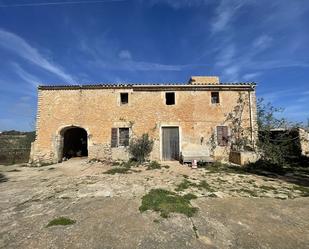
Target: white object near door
pixel 194 164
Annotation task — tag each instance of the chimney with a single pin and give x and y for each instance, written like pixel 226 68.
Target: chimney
pixel 204 80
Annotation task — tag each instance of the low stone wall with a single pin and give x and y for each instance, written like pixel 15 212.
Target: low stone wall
pixel 100 152
pixel 243 157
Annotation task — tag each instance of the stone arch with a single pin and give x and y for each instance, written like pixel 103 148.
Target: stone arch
pixel 72 142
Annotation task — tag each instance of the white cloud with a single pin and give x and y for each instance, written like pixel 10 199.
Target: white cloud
pixel 231 73
pixel 33 80
pixel 296 111
pixel 273 64
pixel 107 56
pixel 225 13
pixel 125 54
pixel 262 42
pixel 23 107
pixel 22 48
pixel 131 65
pixel 250 76
pixel 225 55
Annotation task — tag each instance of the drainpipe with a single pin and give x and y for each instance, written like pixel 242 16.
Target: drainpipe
pixel 251 123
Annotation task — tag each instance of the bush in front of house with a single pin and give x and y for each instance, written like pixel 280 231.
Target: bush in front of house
pixel 141 147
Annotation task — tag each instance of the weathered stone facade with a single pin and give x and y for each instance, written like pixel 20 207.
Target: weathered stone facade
pixel 97 109
pixel 304 142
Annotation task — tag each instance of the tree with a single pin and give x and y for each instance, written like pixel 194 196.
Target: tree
pixel 141 147
pixel 275 135
pixel 239 134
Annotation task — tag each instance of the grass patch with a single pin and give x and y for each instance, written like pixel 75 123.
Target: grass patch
pixel 204 185
pixel 251 181
pixel 3 178
pixel 185 184
pixel 153 165
pixel 125 164
pixel 115 163
pixel 61 221
pixel 65 197
pixel 129 164
pixel 218 167
pixel 118 170
pixel 167 202
pixel 122 167
pixel 304 190
pixel 14 170
pixel 247 191
pixel 267 188
pixel 43 164
pixel 190 196
pixel 219 180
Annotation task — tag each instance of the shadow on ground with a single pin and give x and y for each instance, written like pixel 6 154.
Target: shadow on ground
pixel 3 178
pixel 292 173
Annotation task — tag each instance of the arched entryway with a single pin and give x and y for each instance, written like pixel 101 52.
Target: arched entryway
pixel 75 142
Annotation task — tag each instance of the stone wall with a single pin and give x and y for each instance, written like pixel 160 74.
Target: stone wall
pixel 243 157
pixel 304 142
pixel 99 110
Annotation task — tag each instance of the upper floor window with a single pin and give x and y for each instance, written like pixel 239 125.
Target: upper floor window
pixel 170 98
pixel 215 98
pixel 124 98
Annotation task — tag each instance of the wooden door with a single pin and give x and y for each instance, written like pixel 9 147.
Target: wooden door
pixel 170 143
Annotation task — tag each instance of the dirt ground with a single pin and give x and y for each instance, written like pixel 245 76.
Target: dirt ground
pixel 238 211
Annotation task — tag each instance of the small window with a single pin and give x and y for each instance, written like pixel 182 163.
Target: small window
pixel 215 98
pixel 222 135
pixel 170 98
pixel 120 137
pixel 124 98
pixel 123 136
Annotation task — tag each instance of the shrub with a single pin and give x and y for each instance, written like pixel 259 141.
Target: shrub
pixel 141 147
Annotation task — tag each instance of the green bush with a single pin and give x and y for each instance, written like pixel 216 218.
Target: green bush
pixel 141 147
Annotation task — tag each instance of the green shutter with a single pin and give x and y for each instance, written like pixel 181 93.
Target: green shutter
pixel 114 137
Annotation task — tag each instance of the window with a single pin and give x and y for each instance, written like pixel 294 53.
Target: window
pixel 222 135
pixel 120 137
pixel 170 98
pixel 124 98
pixel 215 98
pixel 123 136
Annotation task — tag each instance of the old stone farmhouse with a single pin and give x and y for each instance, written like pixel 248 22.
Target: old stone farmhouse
pixel 98 121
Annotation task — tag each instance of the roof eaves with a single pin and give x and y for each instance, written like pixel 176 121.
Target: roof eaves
pixel 143 85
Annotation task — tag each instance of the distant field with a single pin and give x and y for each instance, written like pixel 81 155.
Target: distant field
pixel 15 146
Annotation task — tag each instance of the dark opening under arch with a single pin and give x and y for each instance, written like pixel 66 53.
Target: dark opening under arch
pixel 75 142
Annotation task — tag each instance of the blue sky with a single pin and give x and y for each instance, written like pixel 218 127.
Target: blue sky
pixel 44 42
